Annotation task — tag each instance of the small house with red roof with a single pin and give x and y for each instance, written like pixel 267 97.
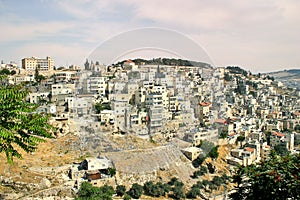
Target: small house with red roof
pixel 245 156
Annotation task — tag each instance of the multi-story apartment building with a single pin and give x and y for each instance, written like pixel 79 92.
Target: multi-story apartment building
pixel 154 99
pixel 96 85
pixel 140 96
pixel 172 103
pixel 65 76
pixel 42 64
pixel 156 117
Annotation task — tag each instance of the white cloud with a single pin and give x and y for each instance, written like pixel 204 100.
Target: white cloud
pixel 251 33
pixel 30 30
pixel 86 9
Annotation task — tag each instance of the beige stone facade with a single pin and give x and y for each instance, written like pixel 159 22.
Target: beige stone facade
pixel 43 64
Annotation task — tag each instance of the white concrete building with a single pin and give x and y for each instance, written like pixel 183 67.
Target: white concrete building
pixel 96 85
pixel 36 97
pixel 24 78
pixel 156 117
pixel 154 99
pixel 58 89
pixel 65 76
pixel 42 64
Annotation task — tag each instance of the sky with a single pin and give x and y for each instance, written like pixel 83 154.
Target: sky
pixel 260 36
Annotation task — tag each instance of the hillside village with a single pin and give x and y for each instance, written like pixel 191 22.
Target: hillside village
pixel 170 110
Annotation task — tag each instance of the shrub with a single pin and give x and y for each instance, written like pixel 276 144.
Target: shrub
pixel 135 191
pixel 178 193
pixel 193 193
pixel 120 190
pixel 87 191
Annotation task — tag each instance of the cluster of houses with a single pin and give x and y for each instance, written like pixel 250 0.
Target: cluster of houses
pixel 262 114
pixel 93 169
pixel 256 149
pixel 192 103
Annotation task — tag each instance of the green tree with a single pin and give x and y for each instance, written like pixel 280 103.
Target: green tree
pixel 13 72
pixel 178 193
pixel 193 193
pixel 240 138
pixel 212 186
pixel 203 169
pixel 218 181
pixel 127 197
pixel 277 178
pixel 178 184
pixel 241 88
pixel 225 178
pixel 205 182
pixel 108 190
pixel 281 149
pixel 112 171
pixel 20 125
pixel 297 128
pixel 172 181
pixel 4 72
pixel 214 152
pixel 149 188
pixel 227 77
pixel 36 73
pixel 211 168
pixel 155 190
pixel 135 191
pixel 87 191
pixel 38 77
pixel 255 86
pixel 268 136
pixel 200 172
pixel 198 161
pixel 102 106
pixel 199 185
pixel 196 174
pixel 120 190
pixel 166 187
pixel 223 135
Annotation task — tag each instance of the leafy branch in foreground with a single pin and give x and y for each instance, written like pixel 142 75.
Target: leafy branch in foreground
pixel 20 125
pixel 276 179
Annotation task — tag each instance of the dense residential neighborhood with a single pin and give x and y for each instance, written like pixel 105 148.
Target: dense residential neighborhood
pixel 185 110
pixel 149 100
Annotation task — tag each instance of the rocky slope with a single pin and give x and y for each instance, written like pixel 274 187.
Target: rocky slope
pixel 289 77
pixel 44 174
